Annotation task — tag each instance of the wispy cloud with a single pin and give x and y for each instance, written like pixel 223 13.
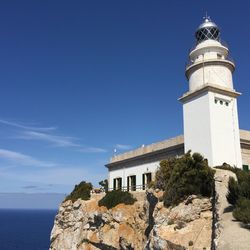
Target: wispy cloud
pixel 123 147
pixel 22 159
pixel 59 141
pixel 86 149
pixel 56 140
pixel 24 126
pixel 30 187
pixel 46 134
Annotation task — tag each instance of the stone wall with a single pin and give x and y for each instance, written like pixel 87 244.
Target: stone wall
pixel 245 146
pixel 245 151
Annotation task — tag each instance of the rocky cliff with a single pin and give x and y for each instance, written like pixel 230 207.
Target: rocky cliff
pixel 146 224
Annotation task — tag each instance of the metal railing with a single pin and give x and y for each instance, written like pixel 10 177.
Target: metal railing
pixel 223 43
pixel 131 188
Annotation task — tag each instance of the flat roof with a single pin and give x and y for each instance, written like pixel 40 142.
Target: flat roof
pixel 165 144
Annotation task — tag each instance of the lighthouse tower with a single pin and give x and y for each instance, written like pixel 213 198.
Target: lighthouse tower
pixel 211 124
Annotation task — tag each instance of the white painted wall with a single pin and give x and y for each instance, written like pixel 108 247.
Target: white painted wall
pixel 215 74
pixel 138 170
pixel 212 129
pixel 225 133
pixel 210 50
pixel 197 131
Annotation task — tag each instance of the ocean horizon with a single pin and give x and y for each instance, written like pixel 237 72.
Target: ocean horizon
pixel 26 229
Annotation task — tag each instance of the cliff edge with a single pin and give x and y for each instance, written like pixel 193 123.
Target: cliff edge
pixel 146 224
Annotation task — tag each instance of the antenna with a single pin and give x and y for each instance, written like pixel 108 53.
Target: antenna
pixel 206 17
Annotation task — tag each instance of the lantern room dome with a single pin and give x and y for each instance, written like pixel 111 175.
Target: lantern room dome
pixel 207 30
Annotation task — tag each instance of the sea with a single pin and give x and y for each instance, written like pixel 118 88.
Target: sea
pixel 25 229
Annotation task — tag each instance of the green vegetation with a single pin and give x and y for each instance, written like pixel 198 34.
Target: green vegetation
pixel 242 210
pixel 226 166
pixel 163 173
pixel 81 191
pixel 113 198
pixel 183 176
pixel 233 191
pixel 104 184
pixel 239 193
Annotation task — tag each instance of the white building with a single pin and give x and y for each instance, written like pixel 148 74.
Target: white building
pixel 211 124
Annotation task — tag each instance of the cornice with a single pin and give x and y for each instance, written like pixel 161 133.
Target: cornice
pixel 208 88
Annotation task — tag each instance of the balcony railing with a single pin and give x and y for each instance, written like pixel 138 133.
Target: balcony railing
pixel 228 58
pixel 131 188
pixel 223 43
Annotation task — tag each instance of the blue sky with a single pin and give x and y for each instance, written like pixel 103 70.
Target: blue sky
pixel 80 78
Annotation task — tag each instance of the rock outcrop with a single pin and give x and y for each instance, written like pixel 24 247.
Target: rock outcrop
pixel 85 225
pixel 188 225
pixel 146 224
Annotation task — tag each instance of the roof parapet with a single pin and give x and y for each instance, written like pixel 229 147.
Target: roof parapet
pixel 149 149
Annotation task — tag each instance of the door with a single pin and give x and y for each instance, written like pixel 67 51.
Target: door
pixel 131 183
pixel 146 179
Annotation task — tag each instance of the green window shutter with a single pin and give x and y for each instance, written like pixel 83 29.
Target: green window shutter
pixel 246 168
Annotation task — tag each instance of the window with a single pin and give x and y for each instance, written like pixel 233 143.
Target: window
pixel 117 183
pixel 246 168
pixel 221 101
pixel 146 179
pixel 131 183
pixel 219 56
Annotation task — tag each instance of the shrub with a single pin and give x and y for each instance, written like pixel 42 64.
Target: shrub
pixel 239 188
pixel 115 197
pixel 241 175
pixel 242 210
pixel 239 193
pixel 105 185
pixel 81 191
pixel 233 191
pixel 152 184
pixel 226 166
pixel 183 176
pixel 244 187
pixel 163 174
pixel 190 175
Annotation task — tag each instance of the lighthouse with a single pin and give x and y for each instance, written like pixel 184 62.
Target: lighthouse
pixel 210 113
pixel 211 125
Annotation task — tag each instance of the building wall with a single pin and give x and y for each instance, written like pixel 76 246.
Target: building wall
pixel 218 74
pixel 197 132
pixel 245 147
pixel 225 135
pixel 140 165
pixel 246 156
pixel 211 66
pixel 137 170
pixel 212 128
